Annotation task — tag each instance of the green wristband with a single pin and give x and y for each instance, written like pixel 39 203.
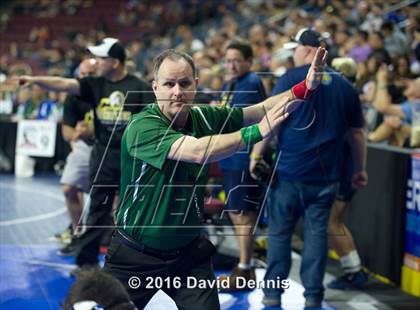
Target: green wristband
pixel 251 135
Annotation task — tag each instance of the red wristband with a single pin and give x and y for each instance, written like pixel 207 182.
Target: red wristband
pixel 300 91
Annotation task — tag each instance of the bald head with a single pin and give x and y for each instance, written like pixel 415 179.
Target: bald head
pixel 87 67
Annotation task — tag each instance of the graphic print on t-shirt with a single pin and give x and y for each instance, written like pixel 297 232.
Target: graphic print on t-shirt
pixel 88 118
pixel 110 110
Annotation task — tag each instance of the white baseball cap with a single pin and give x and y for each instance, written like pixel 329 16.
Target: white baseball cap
pixel 109 47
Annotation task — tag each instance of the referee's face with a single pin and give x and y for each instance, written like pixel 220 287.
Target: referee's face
pixel 175 87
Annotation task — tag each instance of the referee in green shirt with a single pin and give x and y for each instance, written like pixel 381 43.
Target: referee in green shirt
pixel 164 152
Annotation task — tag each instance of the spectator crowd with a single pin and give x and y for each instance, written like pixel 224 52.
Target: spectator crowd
pixel 373 34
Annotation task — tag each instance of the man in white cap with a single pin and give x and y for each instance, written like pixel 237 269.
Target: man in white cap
pixel 114 96
pixel 310 144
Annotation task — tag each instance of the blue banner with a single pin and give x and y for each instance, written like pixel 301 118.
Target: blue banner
pixel 412 239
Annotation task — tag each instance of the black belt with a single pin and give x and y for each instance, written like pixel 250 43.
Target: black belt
pixel 131 243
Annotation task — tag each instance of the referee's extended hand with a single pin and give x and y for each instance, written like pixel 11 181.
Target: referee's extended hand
pixel 314 76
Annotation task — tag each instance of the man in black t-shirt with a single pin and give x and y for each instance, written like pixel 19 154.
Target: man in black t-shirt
pixel 114 96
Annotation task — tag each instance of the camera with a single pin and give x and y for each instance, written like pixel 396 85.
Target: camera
pixel 263 172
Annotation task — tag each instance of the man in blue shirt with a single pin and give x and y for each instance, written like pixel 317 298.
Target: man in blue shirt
pixel 308 166
pixel 243 194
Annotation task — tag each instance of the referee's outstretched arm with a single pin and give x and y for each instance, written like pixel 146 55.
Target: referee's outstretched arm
pixel 216 147
pixel 269 114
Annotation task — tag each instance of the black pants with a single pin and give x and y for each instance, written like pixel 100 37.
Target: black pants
pixel 105 177
pixel 192 262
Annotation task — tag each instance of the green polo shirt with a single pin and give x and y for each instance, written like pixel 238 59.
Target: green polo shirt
pixel 161 200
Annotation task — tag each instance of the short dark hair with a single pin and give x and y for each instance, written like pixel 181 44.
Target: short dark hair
pixel 381 56
pixel 363 34
pixel 98 286
pixel 387 26
pixel 243 47
pixel 172 55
